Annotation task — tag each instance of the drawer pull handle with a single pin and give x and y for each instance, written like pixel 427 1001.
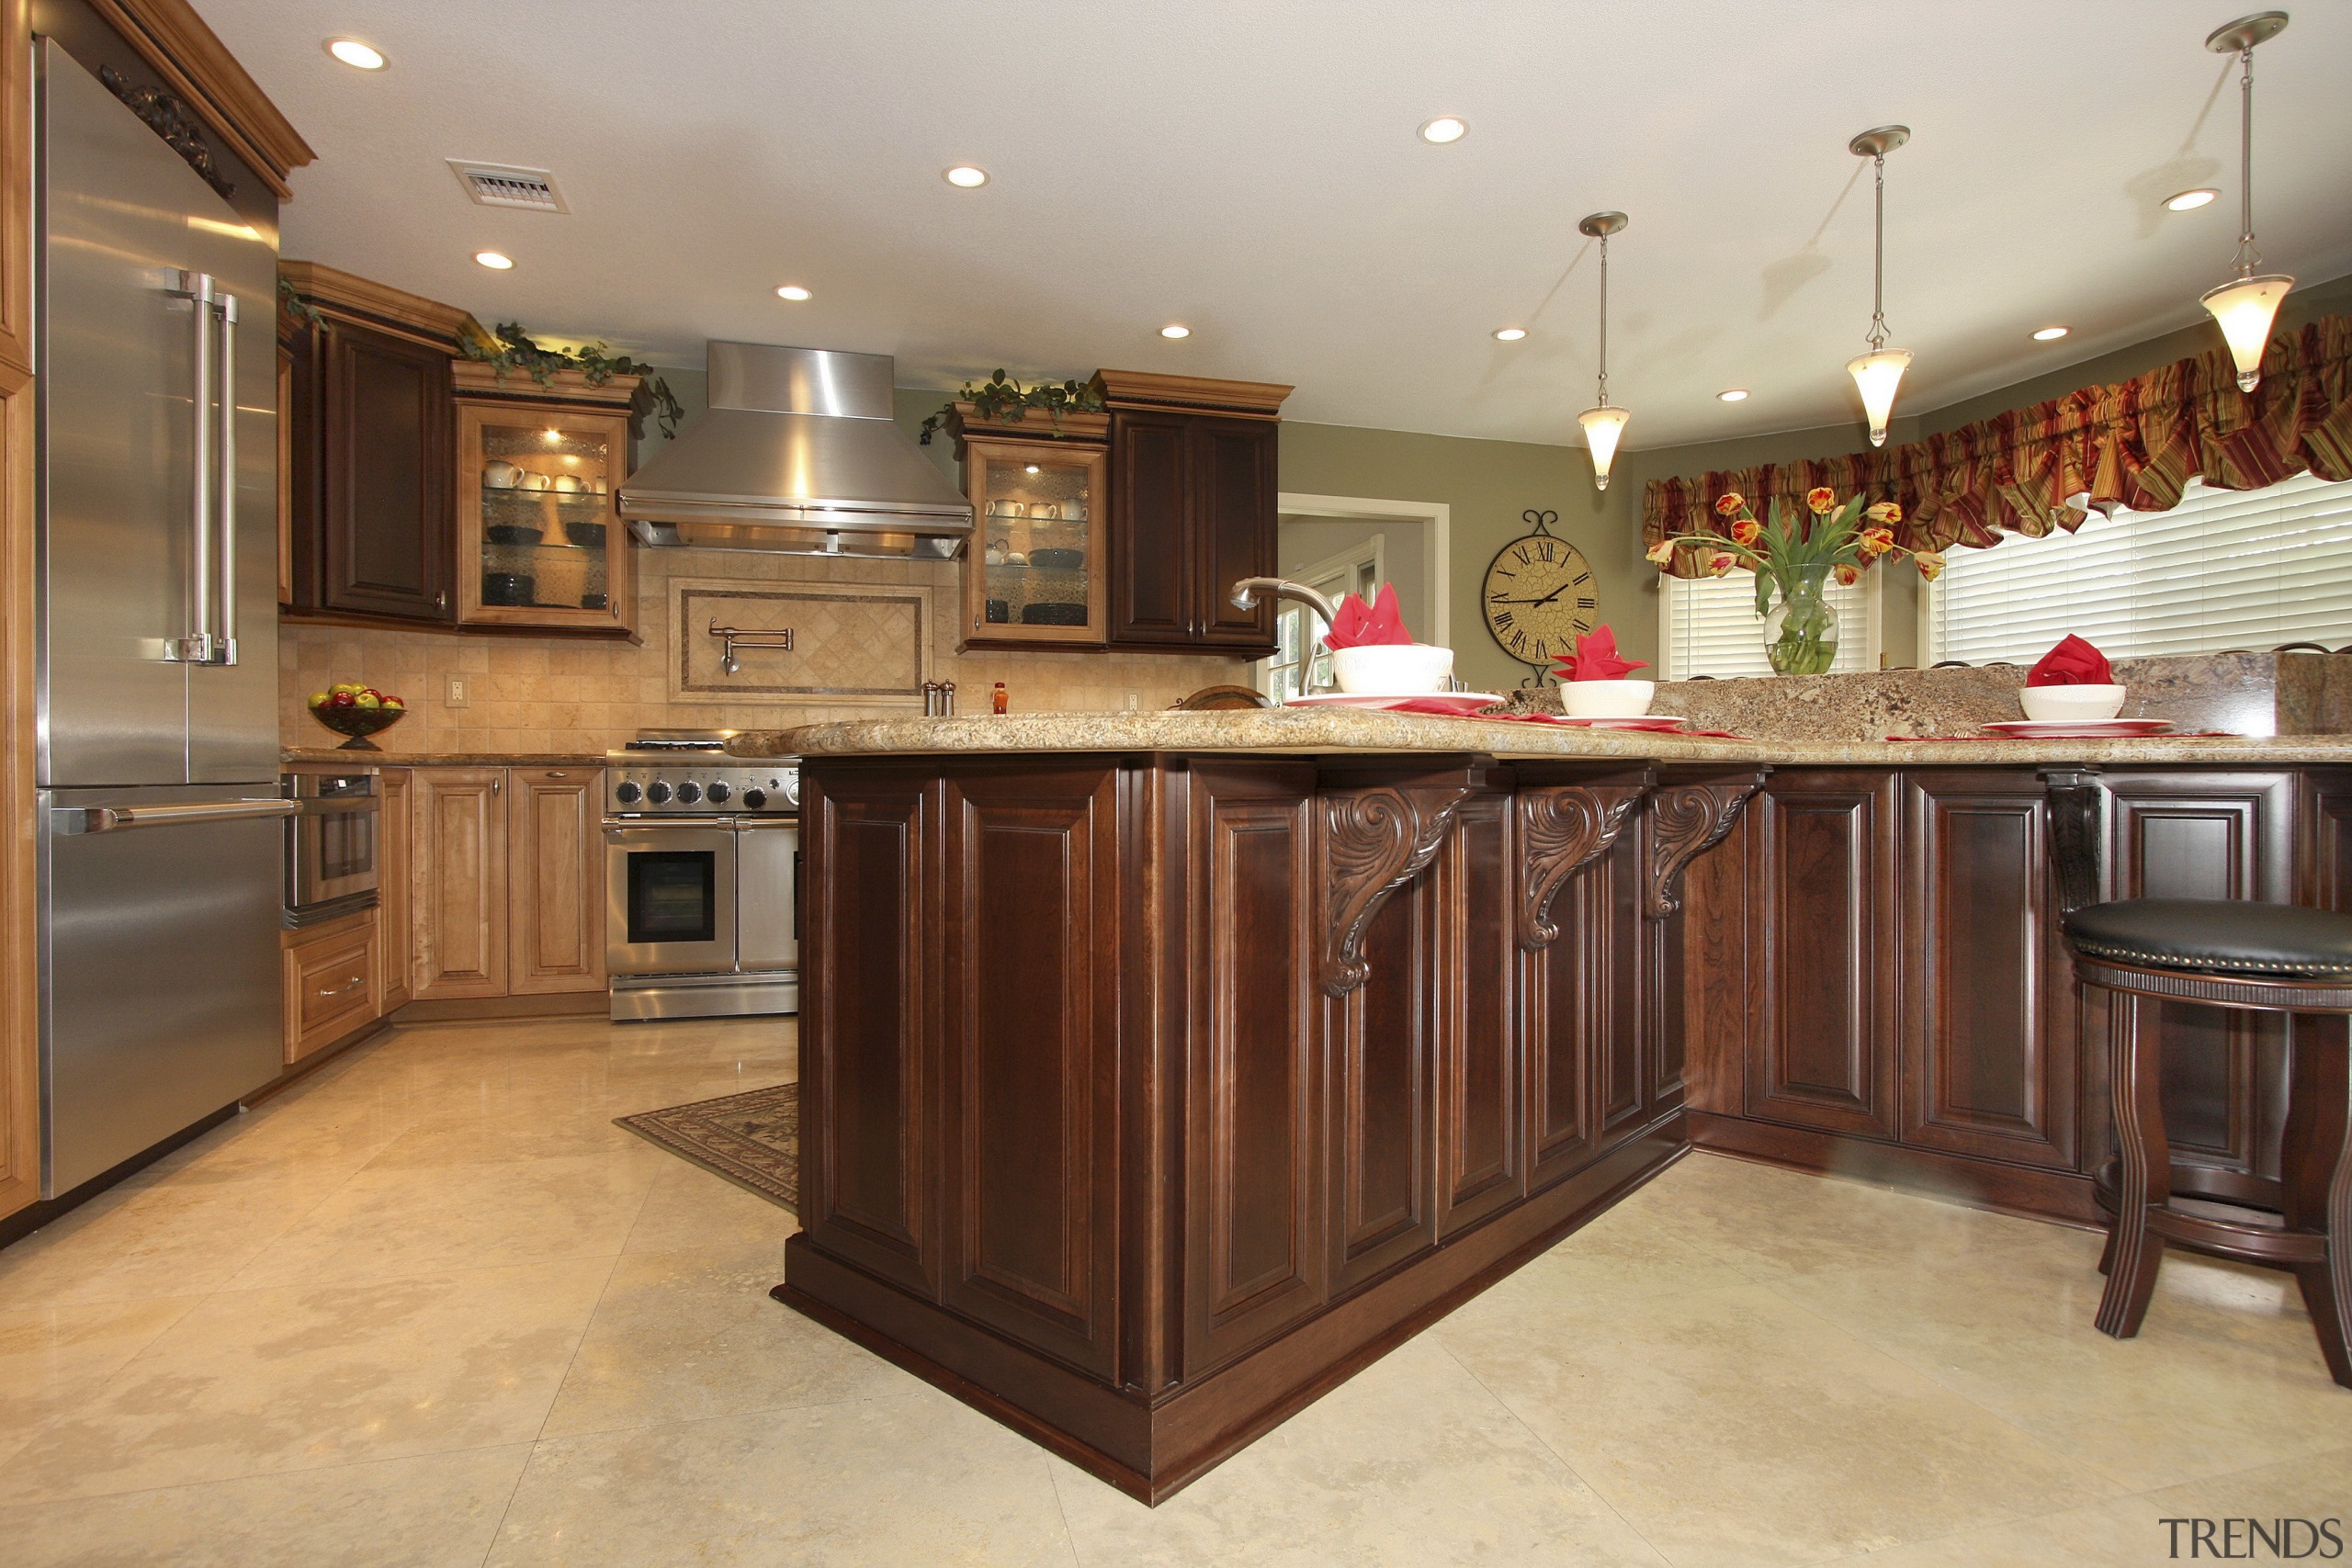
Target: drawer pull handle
pixel 356 981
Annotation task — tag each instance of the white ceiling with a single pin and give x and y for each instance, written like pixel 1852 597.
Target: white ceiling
pixel 1250 168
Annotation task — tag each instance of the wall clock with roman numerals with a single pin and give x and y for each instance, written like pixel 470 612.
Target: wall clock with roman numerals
pixel 1539 595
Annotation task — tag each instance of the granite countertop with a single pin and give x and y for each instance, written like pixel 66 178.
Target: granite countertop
pixel 335 755
pixel 1328 730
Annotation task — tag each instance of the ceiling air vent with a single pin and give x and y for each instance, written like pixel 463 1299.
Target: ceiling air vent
pixel 501 185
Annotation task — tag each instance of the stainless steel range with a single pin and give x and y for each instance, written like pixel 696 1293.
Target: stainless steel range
pixel 702 858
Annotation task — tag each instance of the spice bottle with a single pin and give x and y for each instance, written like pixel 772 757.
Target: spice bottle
pixel 1000 699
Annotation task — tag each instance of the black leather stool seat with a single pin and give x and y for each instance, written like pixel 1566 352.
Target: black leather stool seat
pixel 2221 936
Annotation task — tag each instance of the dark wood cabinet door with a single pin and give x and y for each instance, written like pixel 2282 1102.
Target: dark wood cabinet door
pixel 1824 992
pixel 2205 835
pixel 1152 556
pixel 869 836
pixel 1029 1063
pixel 2324 878
pixel 1481 1161
pixel 1233 503
pixel 1990 1057
pixel 386 534
pixel 1378 1048
pixel 1254 1252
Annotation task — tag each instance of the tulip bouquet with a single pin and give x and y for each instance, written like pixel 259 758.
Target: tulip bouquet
pixel 1795 559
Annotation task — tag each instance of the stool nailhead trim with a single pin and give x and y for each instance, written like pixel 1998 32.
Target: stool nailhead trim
pixel 2175 961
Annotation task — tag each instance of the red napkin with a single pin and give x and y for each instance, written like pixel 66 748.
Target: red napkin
pixel 1377 626
pixel 2072 663
pixel 1596 657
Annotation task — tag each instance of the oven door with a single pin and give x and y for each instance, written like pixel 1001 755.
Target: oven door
pixel 331 850
pixel 670 898
pixel 767 854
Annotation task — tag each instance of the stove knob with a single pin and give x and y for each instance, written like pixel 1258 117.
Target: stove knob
pixel 719 791
pixel 626 792
pixel 689 792
pixel 658 792
pixel 754 797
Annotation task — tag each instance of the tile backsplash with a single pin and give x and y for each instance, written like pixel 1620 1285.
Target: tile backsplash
pixel 567 695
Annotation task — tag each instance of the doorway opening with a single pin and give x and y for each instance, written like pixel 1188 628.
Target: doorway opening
pixel 1340 544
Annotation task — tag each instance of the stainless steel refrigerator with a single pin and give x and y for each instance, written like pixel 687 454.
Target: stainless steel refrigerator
pixel 158 811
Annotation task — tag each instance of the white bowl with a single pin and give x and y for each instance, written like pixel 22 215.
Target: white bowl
pixel 1607 699
pixel 2070 702
pixel 1392 668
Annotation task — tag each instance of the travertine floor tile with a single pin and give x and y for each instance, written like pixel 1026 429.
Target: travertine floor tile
pixel 256 1382
pixel 52 1356
pixel 683 1335
pixel 163 1240
pixel 1410 1464
pixel 385 1223
pixel 1731 1428
pixel 913 1480
pixel 689 1210
pixel 436 1511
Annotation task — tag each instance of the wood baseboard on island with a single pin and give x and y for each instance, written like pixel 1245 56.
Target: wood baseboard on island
pixel 1150 1451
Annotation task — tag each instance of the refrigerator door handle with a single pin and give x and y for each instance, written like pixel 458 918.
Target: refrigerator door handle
pixel 73 820
pixel 197 647
pixel 224 510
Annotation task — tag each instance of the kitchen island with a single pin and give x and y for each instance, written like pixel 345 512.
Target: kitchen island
pixel 1161 1070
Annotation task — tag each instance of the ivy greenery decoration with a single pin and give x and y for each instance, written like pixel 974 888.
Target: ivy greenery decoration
pixel 301 309
pixel 1006 401
pixel 512 349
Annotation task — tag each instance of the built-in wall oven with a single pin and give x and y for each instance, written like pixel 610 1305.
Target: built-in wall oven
pixel 702 855
pixel 332 844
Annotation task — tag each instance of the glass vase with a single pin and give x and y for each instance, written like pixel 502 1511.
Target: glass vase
pixel 1801 631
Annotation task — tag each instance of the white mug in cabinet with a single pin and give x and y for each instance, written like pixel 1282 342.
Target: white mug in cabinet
pixel 498 474
pixel 1046 510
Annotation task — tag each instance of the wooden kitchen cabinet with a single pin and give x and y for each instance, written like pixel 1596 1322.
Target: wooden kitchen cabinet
pixel 371 424
pixel 540 544
pixel 393 891
pixel 1990 1054
pixel 1192 501
pixel 331 983
pixel 1824 889
pixel 508 880
pixel 1034 575
pixel 555 881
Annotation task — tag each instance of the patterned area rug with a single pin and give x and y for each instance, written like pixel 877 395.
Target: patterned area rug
pixel 751 1139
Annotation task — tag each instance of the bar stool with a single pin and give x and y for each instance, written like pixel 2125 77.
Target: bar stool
pixel 2227 953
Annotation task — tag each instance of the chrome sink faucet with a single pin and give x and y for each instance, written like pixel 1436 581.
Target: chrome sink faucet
pixel 1245 593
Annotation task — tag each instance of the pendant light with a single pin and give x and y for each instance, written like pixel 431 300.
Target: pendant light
pixel 1603 424
pixel 2246 304
pixel 1879 372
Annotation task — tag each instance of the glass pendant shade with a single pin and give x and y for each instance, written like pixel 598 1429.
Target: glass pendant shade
pixel 2245 307
pixel 1877 374
pixel 1602 426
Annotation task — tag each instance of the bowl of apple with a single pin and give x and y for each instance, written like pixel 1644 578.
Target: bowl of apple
pixel 357 712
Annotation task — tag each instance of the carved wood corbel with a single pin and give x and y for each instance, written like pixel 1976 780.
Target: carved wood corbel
pixel 1373 841
pixel 1685 820
pixel 1562 829
pixel 2077 805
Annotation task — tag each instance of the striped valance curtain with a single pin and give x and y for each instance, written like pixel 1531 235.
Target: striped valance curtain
pixel 2133 445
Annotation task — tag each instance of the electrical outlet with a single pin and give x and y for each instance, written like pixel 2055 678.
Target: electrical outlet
pixel 457 698
pixel 1132 700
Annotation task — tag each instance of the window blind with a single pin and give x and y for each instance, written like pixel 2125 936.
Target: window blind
pixel 1709 627
pixel 2223 569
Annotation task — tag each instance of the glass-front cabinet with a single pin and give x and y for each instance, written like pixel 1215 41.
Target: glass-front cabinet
pixel 1033 571
pixel 539 542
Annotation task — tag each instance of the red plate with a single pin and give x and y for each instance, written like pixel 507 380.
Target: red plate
pixel 1659 722
pixel 2079 728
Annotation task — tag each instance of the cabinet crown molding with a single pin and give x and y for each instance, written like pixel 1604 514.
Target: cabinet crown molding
pixel 1145 388
pixel 333 290
pixel 198 67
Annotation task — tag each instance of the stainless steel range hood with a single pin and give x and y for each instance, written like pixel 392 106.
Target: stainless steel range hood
pixel 798 452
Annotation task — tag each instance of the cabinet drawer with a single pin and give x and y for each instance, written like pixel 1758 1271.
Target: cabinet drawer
pixel 329 988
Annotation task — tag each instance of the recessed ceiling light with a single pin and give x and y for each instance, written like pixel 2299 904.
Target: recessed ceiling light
pixel 494 260
pixel 2049 335
pixel 2190 200
pixel 1509 335
pixel 1172 330
pixel 792 291
pixel 354 53
pixel 967 176
pixel 1731 395
pixel 1445 127
pixel 1032 469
